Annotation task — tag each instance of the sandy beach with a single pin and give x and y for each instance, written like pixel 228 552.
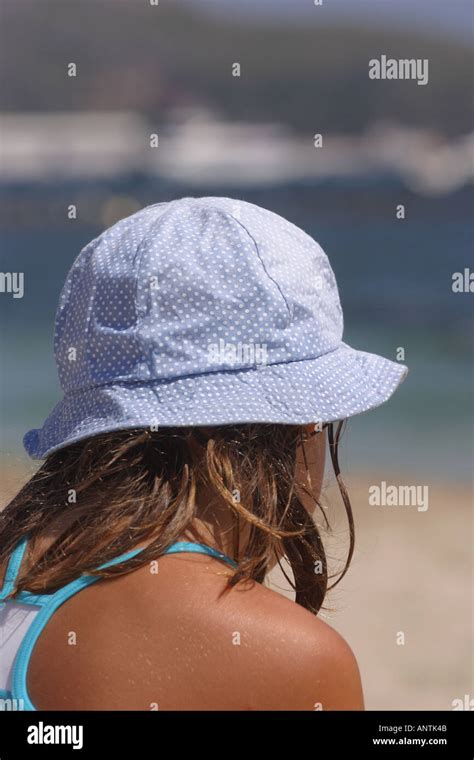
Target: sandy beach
pixel 412 575
pixel 410 580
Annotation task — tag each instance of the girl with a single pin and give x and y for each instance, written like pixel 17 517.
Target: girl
pixel 199 348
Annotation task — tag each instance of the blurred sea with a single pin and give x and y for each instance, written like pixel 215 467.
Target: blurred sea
pixel 394 276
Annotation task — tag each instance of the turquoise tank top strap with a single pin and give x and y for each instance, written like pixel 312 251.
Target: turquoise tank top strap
pixel 16 558
pixel 13 568
pixel 176 548
pixel 189 546
pixel 26 597
pixel 49 603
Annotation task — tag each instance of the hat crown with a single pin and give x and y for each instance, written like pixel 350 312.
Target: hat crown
pixel 194 286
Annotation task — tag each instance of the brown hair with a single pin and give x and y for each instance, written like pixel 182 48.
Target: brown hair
pixel 134 486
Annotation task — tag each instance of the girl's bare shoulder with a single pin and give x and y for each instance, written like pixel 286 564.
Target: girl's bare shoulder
pixel 183 640
pixel 308 664
pixel 272 652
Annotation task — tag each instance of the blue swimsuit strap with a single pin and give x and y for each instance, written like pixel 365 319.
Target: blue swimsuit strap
pixel 49 603
pixel 13 568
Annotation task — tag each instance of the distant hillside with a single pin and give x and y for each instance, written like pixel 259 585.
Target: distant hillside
pixel 151 58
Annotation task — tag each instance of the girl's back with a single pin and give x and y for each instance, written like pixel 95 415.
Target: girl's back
pixel 173 637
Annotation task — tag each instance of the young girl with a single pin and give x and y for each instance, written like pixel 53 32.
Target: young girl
pixel 199 348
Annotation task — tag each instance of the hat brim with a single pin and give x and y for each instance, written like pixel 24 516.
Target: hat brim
pixel 340 384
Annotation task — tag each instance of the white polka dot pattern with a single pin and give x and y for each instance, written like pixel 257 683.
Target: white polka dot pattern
pixel 148 303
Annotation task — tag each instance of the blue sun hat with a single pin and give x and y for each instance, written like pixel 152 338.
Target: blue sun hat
pixel 204 311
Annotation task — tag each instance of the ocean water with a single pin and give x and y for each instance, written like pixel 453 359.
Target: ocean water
pixel 395 281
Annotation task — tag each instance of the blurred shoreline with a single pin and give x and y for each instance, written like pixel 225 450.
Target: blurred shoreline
pixel 197 148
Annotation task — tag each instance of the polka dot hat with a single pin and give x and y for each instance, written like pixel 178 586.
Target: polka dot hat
pixel 204 311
